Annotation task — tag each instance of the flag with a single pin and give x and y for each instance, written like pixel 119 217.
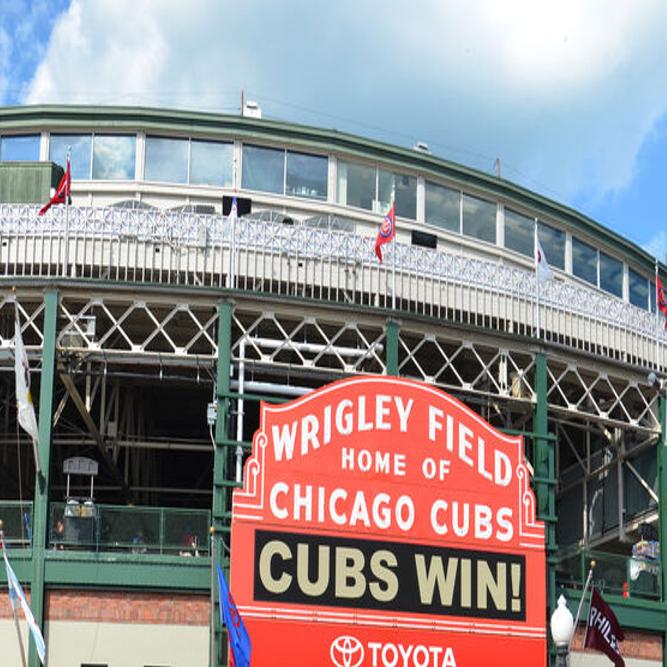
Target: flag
pixel 387 230
pixel 16 598
pixel 542 268
pixel 660 299
pixel 603 631
pixel 26 409
pixel 239 640
pixel 234 211
pixel 63 191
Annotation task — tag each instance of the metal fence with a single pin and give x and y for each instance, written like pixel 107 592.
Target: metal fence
pixel 16 518
pixel 616 574
pixel 138 530
pixel 319 262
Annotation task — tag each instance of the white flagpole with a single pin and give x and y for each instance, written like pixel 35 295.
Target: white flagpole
pixel 537 283
pixel 393 250
pixel 14 611
pixel 67 195
pixel 657 320
pixel 581 604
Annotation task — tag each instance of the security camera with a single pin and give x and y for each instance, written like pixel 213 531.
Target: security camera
pixel 652 379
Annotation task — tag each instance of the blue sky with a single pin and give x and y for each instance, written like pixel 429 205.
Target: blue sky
pixel 570 95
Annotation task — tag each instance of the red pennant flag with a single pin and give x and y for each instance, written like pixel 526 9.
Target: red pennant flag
pixel 63 192
pixel 387 231
pixel 660 298
pixel 603 631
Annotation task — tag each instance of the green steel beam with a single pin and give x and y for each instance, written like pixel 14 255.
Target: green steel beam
pixel 220 485
pixel 391 351
pixel 40 505
pixel 90 569
pixel 662 520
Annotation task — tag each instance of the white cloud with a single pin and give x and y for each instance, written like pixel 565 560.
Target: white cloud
pixel 657 246
pixel 565 93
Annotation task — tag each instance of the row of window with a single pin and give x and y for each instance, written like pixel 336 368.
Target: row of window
pixel 281 171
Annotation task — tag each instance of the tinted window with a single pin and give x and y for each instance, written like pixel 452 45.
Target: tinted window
pixel 113 157
pixel 80 158
pixel 356 185
pixel 553 243
pixel 479 218
pixel 406 196
pixel 307 175
pixel 443 207
pixel 584 261
pixel 520 233
pixel 211 163
pixel 638 289
pixel 611 275
pixel 166 160
pixel 263 169
pixel 24 147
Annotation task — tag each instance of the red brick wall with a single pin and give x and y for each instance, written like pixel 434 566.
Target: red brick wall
pixel 636 645
pixel 127 607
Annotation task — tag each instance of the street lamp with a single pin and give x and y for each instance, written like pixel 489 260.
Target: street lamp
pixel 562 629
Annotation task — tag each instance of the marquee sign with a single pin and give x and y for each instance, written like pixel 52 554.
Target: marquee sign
pixel 382 523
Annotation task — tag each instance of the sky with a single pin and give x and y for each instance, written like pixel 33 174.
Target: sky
pixel 570 95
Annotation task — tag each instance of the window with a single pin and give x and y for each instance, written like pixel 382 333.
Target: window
pixel 520 233
pixel 113 157
pixel 24 147
pixel 307 175
pixel 479 218
pixel 638 289
pixel 212 163
pixel 651 297
pixel 371 189
pixel 166 160
pixel 584 261
pixel 553 243
pixel 356 185
pixel 611 275
pixel 443 207
pixel 263 169
pixel 81 145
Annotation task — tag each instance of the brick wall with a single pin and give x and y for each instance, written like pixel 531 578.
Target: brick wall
pixel 127 607
pixel 637 644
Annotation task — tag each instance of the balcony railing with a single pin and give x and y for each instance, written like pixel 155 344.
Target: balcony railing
pixel 17 522
pixel 152 246
pixel 86 526
pixel 616 574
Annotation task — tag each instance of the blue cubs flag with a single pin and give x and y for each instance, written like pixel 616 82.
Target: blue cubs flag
pixel 239 640
pixel 387 231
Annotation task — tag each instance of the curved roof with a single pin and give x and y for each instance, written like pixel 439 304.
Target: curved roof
pixel 330 140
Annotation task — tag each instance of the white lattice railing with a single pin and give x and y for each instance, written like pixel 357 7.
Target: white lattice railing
pixel 310 261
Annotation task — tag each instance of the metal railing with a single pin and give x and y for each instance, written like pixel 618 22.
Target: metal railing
pixel 16 518
pixel 324 263
pixel 616 574
pixel 129 529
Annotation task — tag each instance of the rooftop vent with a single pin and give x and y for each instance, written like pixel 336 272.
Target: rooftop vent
pixel 421 147
pixel 251 109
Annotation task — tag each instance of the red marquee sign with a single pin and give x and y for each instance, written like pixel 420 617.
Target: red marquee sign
pixel 382 523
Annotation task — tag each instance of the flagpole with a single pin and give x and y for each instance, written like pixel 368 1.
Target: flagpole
pixel 14 614
pixel 212 656
pixel 657 320
pixel 393 253
pixel 581 604
pixel 537 283
pixel 67 196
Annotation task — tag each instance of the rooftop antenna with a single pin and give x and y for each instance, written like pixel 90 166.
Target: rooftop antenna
pixel 496 165
pixel 242 101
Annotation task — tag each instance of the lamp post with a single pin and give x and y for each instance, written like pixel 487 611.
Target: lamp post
pixel 562 629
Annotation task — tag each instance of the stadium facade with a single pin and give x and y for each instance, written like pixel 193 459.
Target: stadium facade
pixel 155 323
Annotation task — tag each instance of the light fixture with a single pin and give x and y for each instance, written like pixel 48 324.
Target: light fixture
pixel 562 629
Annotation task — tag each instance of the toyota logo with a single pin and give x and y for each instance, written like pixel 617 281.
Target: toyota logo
pixel 346 651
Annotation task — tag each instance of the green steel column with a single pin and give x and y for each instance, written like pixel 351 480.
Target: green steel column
pixel 40 508
pixel 220 459
pixel 545 474
pixel 391 357
pixel 662 493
